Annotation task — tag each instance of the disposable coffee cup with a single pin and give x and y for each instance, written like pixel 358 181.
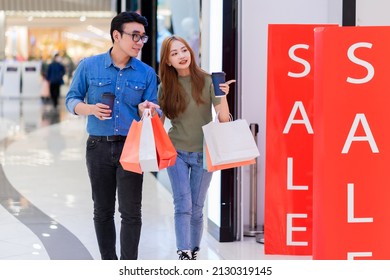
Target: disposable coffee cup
pixel 218 78
pixel 108 99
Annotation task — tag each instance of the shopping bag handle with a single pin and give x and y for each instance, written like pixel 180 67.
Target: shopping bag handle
pixel 146 114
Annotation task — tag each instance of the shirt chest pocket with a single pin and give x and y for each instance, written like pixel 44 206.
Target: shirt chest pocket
pixel 97 87
pixel 133 92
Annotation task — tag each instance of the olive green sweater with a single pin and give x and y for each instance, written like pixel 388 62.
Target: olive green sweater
pixel 186 132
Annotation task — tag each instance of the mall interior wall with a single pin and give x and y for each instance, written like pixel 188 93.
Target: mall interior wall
pixel 373 12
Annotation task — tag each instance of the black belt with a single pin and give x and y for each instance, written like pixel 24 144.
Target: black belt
pixel 111 138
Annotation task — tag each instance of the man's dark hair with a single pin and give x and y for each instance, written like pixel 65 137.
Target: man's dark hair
pixel 126 17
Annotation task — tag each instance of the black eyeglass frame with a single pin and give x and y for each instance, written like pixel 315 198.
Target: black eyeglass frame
pixel 137 37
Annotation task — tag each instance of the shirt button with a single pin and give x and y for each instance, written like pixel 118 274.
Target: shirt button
pixel 136 87
pixel 118 88
pixel 100 84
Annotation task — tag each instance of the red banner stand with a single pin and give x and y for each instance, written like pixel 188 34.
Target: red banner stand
pixel 289 140
pixel 351 158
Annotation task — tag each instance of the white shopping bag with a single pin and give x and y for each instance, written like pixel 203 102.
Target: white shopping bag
pixel 147 148
pixel 230 142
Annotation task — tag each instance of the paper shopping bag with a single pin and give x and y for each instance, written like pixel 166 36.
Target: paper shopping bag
pixel 147 148
pixel 207 165
pixel 166 152
pixel 130 154
pixel 230 142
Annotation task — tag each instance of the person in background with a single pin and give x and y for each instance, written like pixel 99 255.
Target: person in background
pixel 134 85
pixel 45 85
pixel 162 33
pixel 55 74
pixel 69 67
pixel 186 97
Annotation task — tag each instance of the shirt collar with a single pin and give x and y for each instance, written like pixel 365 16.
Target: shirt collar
pixel 108 61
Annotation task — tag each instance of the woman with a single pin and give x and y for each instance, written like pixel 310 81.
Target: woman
pixel 186 96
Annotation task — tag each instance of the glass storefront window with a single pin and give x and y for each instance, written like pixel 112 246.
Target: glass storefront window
pixel 179 17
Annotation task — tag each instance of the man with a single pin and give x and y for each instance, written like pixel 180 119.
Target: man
pixel 134 85
pixel 55 74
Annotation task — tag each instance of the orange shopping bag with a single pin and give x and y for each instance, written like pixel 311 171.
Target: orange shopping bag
pixel 166 152
pixel 130 154
pixel 210 167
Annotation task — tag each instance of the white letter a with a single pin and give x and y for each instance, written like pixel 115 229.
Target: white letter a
pixel 369 137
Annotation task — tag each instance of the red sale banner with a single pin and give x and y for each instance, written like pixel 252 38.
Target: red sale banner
pixel 289 140
pixel 351 158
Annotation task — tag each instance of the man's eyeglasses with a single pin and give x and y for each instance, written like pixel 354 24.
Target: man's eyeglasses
pixel 136 37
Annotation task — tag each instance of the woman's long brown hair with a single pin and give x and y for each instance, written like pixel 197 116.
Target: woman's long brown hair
pixel 172 99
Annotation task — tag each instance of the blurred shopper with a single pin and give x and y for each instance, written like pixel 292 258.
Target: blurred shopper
pixel 162 33
pixel 134 85
pixel 186 97
pixel 55 74
pixel 45 85
pixel 67 61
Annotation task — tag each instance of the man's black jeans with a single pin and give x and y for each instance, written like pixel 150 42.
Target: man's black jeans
pixel 107 178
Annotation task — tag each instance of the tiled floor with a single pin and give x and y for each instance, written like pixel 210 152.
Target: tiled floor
pixel 45 199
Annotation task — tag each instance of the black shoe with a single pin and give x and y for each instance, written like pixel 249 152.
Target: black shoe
pixel 184 254
pixel 195 253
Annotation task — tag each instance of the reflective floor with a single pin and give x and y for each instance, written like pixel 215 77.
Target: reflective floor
pixel 45 198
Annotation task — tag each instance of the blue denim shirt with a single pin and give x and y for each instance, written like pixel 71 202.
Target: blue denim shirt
pixel 131 85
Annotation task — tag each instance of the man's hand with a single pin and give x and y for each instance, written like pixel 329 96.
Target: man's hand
pixel 147 105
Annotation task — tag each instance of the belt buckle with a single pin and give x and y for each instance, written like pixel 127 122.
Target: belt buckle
pixel 110 138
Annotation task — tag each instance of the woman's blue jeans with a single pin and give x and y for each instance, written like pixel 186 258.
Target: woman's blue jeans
pixel 107 178
pixel 190 183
